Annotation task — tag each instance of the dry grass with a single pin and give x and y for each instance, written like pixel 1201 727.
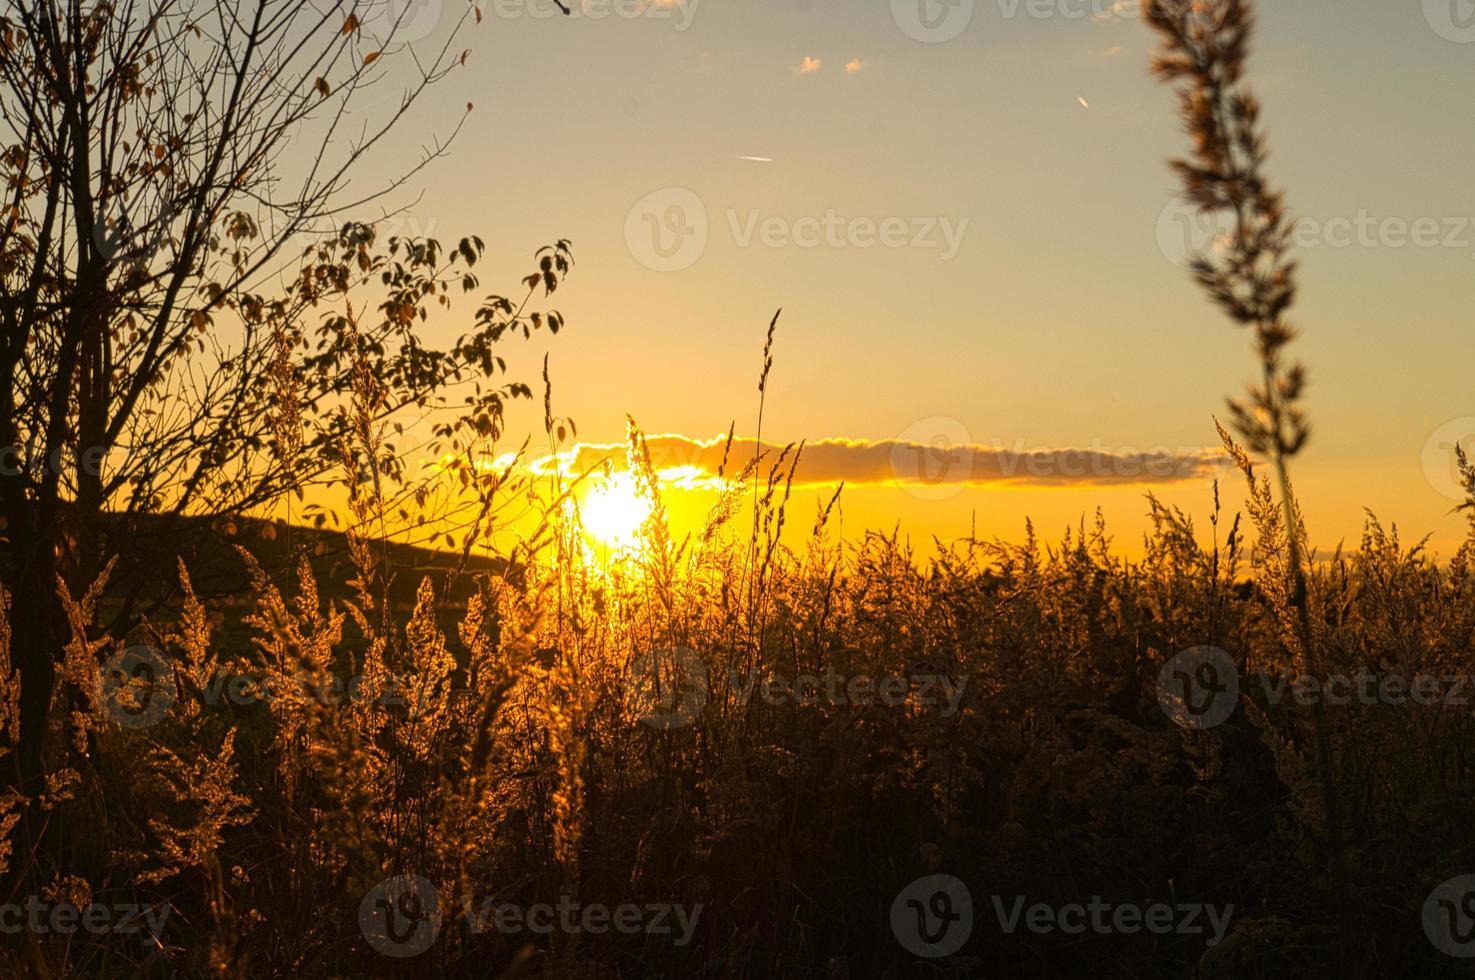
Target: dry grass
pixel 506 760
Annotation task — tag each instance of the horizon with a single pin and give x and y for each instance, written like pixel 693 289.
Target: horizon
pixel 700 185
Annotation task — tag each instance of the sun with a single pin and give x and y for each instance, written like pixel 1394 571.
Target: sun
pixel 614 510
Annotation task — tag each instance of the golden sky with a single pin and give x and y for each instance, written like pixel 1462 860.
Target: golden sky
pixel 965 211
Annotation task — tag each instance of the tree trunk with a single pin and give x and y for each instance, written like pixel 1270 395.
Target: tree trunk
pixel 35 615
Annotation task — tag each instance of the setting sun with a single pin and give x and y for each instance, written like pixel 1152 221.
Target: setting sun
pixel 614 510
pixel 1040 448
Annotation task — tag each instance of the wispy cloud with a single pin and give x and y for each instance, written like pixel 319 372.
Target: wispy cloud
pixel 854 66
pixel 808 66
pixel 694 463
pixel 1112 51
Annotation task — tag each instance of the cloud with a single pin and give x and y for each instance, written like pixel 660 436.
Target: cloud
pixel 1112 52
pixel 694 463
pixel 855 65
pixel 808 66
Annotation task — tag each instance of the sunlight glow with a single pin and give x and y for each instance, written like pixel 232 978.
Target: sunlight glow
pixel 614 510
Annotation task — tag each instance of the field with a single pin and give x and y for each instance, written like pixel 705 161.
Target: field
pixel 313 665
pixel 594 735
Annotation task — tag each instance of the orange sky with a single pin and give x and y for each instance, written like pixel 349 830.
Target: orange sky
pixel 974 235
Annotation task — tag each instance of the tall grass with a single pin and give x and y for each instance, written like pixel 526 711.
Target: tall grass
pixel 498 746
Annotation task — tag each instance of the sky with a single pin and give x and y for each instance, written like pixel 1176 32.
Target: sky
pixel 965 212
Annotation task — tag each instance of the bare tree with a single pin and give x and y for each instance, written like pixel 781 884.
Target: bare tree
pixel 162 161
